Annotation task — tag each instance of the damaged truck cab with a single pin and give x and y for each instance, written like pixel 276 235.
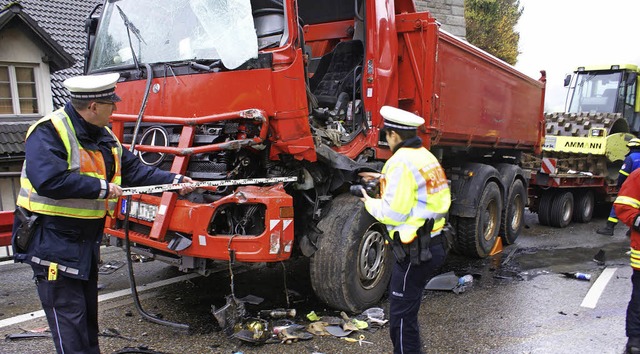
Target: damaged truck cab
pixel 223 90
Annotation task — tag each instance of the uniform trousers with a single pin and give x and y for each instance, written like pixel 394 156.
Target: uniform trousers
pixel 405 295
pixel 71 307
pixel 633 309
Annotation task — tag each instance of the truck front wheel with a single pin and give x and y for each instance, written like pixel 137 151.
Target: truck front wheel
pixel 476 236
pixel 351 269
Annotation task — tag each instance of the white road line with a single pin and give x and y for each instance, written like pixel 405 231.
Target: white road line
pixel 593 295
pixel 104 297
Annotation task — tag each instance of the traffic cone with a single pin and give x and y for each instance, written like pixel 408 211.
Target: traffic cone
pixel 497 247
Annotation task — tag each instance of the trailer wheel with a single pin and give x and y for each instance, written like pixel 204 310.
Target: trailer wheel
pixel 476 236
pixel 561 210
pixel 351 269
pixel 544 209
pixel 513 215
pixel 583 207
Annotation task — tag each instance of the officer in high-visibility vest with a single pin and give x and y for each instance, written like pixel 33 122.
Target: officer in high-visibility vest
pixel 627 207
pixel 631 163
pixel 414 202
pixel 74 167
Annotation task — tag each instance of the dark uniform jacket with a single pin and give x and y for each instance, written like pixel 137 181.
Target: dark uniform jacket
pixel 73 242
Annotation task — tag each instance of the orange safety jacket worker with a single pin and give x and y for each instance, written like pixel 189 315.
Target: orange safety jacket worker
pixel 627 207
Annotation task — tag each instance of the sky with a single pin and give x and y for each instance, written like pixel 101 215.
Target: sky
pixel 560 35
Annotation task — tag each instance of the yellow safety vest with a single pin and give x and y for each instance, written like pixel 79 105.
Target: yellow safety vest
pixel 414 188
pixel 80 160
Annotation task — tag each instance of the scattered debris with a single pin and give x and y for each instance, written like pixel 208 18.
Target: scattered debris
pixel 114 333
pixel 446 281
pixel 110 267
pixel 137 350
pixel 140 258
pixel 599 258
pixel 278 313
pixel 577 275
pixel 26 335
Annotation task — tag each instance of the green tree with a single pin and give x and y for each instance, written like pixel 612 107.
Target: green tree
pixel 491 26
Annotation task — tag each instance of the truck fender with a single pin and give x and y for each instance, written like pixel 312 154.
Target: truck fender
pixel 467 184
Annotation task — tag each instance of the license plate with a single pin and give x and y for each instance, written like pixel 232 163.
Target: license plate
pixel 142 211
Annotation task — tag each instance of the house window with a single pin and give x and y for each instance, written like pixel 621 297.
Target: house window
pixel 18 93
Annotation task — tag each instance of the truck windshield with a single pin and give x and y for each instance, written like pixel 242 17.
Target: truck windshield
pixel 153 31
pixel 595 92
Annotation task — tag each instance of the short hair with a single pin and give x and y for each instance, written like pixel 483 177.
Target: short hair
pixel 79 104
pixel 404 134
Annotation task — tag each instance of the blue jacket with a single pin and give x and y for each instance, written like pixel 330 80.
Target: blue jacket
pixel 73 243
pixel 631 163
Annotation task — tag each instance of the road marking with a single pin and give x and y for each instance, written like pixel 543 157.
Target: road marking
pixel 104 297
pixel 593 295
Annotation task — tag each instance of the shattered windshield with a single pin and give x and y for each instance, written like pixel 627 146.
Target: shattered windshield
pixel 152 31
pixel 595 92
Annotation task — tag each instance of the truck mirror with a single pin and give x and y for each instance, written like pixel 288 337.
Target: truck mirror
pixel 631 79
pixel 567 80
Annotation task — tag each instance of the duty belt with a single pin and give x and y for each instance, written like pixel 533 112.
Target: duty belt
pixel 435 240
pixel 61 268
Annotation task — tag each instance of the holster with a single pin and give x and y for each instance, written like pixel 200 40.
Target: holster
pixel 396 246
pixel 26 229
pixel 419 249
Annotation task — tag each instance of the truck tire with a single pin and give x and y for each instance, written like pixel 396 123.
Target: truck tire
pixel 476 236
pixel 513 214
pixel 351 269
pixel 544 209
pixel 561 210
pixel 583 206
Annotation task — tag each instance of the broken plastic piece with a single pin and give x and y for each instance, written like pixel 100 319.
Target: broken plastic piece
pixel 446 281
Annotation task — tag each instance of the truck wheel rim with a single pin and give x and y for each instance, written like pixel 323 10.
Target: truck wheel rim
pixel 372 256
pixel 517 212
pixel 490 217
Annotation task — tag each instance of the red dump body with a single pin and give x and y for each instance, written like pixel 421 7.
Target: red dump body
pixel 483 101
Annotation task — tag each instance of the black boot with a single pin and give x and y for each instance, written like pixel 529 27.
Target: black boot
pixel 633 346
pixel 607 230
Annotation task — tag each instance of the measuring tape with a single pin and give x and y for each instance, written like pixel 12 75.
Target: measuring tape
pixel 231 182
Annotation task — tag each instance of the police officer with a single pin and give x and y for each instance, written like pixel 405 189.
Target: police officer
pixel 74 167
pixel 631 163
pixel 414 193
pixel 627 207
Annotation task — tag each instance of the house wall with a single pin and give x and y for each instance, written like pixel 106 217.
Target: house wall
pixel 16 47
pixel 450 13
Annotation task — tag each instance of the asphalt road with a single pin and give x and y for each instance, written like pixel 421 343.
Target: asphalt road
pixel 517 303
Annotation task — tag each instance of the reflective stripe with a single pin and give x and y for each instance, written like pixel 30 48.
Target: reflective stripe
pixel 635 258
pixel 634 203
pixel 414 188
pixel 61 267
pixel 612 219
pixel 80 161
pixel 624 173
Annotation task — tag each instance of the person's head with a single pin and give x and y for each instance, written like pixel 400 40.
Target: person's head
pixel 634 144
pixel 399 125
pixel 94 97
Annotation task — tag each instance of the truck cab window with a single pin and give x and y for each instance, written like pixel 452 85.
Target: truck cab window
pixel 157 31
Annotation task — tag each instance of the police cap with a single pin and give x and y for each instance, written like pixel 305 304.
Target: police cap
pixel 101 87
pixel 395 118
